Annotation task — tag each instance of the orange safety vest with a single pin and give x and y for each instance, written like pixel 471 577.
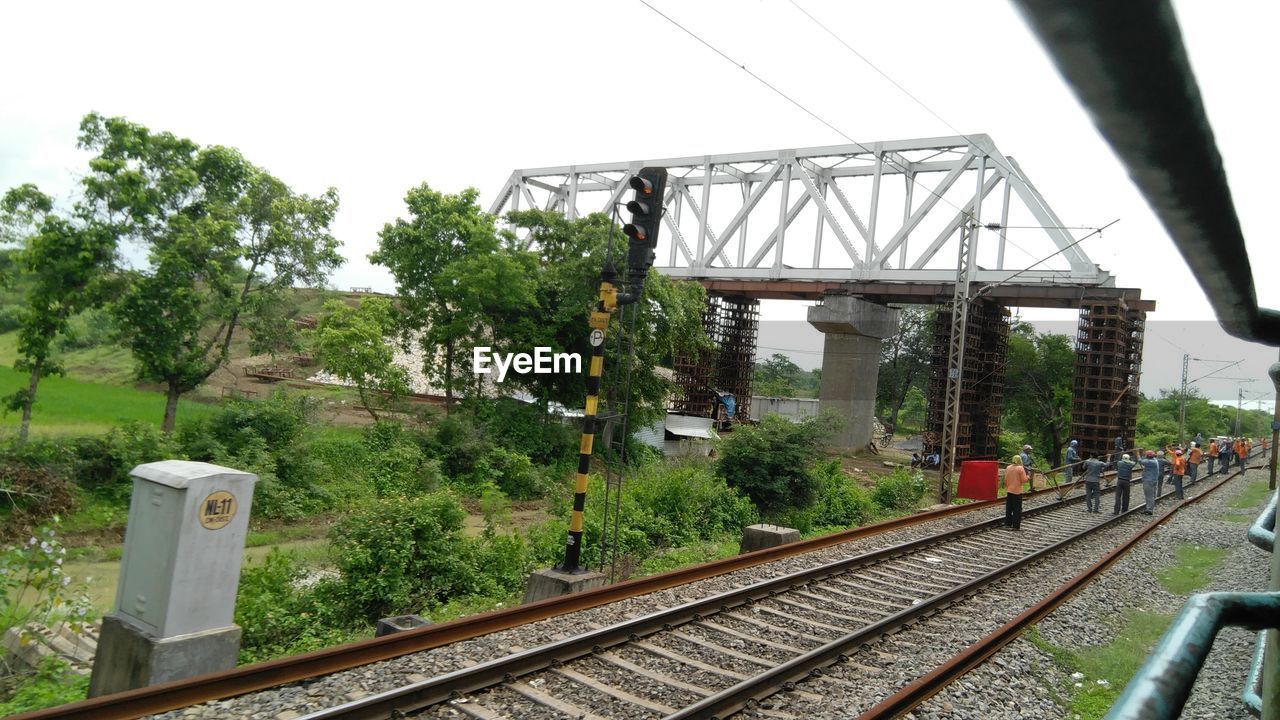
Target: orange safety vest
pixel 1179 465
pixel 1196 455
pixel 1213 447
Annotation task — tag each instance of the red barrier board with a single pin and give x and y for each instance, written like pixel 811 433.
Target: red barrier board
pixel 979 479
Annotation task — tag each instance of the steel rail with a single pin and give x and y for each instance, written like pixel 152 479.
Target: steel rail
pixel 415 696
pixel 928 685
pixel 737 697
pixel 261 676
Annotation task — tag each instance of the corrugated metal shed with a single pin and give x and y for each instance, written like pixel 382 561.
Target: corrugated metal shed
pixel 685 426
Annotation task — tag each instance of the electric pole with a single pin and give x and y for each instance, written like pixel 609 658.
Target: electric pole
pixel 1182 402
pixel 1239 402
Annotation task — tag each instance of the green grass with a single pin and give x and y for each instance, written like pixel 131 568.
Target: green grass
pixel 111 364
pixel 1194 565
pixel 696 554
pixel 1253 495
pixel 1236 518
pixel 66 406
pixel 1114 663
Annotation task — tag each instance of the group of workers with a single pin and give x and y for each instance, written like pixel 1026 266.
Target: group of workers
pixel 1180 465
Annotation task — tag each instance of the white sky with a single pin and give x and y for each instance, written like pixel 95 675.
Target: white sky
pixel 376 97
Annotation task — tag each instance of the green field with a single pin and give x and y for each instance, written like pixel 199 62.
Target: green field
pixel 67 406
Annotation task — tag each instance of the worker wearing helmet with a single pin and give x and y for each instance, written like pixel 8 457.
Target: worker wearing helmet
pixel 1073 457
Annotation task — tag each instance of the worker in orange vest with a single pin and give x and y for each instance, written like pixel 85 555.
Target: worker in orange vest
pixel 1193 462
pixel 1015 482
pixel 1238 448
pixel 1213 453
pixel 1178 472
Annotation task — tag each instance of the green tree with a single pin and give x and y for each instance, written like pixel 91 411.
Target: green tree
pixel 904 362
pixel 1037 398
pixel 351 344
pixel 67 259
pixel 217 231
pixel 444 236
pixel 776 376
pixel 568 258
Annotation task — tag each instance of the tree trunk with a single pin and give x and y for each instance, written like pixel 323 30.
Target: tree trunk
pixel 364 400
pixel 29 401
pixel 171 408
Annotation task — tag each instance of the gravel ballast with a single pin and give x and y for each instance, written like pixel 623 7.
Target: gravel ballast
pixel 870 675
pixel 1025 682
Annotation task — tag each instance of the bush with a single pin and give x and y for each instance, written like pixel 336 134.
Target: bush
pixel 512 472
pixel 770 462
pixel 103 464
pixel 400 555
pixel 265 437
pixel 397 465
pixel 524 428
pixel 901 490
pixel 842 503
pixel 279 616
pixel 91 328
pixel 684 502
pixel 458 445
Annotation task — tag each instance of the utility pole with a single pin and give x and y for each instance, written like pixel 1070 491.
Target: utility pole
pixel 1182 403
pixel 1239 402
pixel 955 360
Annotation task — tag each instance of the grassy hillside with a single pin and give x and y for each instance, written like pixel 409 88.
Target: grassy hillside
pixel 67 405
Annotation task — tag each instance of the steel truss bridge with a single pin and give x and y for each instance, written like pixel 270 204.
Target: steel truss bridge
pixel 947 221
pixel 874 218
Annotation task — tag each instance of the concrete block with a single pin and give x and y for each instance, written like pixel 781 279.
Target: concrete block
pixel 759 537
pixel 389 625
pixel 849 315
pixel 551 583
pixel 130 657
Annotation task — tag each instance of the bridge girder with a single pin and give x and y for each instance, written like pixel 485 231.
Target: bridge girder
pixel 731 216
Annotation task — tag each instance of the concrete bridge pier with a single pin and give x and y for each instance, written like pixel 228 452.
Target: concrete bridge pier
pixel 854 329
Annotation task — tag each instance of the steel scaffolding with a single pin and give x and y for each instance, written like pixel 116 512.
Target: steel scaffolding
pixel 1108 366
pixel 981 382
pixel 727 367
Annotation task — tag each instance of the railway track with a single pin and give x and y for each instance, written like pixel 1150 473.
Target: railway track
pixel 717 655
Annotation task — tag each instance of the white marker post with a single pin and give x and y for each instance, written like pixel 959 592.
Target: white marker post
pixel 178 579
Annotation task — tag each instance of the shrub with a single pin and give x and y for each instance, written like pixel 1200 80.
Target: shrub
pixel 770 462
pixel 91 328
pixel 30 496
pixel 103 464
pixel 901 490
pixel 400 555
pixel 397 465
pixel 684 502
pixel 279 615
pixel 458 445
pixel 525 429
pixel 264 437
pixel 511 471
pixel 842 503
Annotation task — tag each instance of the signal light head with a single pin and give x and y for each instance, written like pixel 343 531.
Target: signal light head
pixel 641 185
pixel 638 208
pixel 635 232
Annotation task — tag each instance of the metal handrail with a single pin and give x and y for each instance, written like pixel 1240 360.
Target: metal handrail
pixel 1263 531
pixel 1164 682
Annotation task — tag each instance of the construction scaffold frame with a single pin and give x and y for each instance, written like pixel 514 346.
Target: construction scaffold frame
pixel 728 367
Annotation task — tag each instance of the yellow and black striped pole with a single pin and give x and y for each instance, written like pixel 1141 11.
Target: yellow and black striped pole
pixel 599 323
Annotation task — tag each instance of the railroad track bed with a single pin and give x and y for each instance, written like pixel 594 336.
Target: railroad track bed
pixel 797 622
pixel 296 699
pixel 870 671
pixel 1022 681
